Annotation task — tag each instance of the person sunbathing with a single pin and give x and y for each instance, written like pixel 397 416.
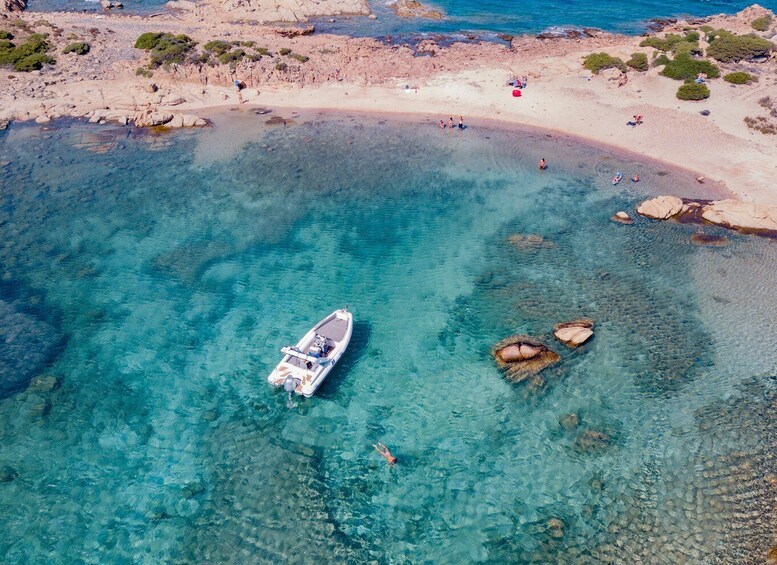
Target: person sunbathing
pixel 384 451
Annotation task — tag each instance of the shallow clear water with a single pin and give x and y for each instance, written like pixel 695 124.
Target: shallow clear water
pixel 157 279
pixel 503 16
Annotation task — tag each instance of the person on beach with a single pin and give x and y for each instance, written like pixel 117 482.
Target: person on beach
pixel 524 81
pixel 461 122
pixel 384 451
pixel 442 124
pixel 623 79
pixel 543 164
pixel 450 122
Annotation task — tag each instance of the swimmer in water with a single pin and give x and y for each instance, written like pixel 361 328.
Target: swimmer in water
pixel 384 451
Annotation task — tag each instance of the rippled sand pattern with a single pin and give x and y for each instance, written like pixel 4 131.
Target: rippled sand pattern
pixel 148 283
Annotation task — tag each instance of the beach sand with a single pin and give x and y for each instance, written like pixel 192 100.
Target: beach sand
pixel 468 80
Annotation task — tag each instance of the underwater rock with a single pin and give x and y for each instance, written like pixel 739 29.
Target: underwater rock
pixel 575 333
pixel 7 474
pixel 591 440
pixel 528 242
pixel 278 121
pixel 192 489
pixel 556 528
pixel 771 556
pixel 708 240
pixel 569 421
pixel 43 383
pixel 660 207
pixel 26 345
pixel 622 218
pixel 522 356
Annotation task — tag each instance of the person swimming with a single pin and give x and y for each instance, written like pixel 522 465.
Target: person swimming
pixel 384 451
pixel 635 178
pixel 543 164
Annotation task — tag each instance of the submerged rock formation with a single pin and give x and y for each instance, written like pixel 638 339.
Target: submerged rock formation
pixel 528 242
pixel 575 333
pixel 592 441
pixel 709 240
pixel 522 356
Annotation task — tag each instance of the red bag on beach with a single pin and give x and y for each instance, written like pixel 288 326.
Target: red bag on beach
pixel 516 93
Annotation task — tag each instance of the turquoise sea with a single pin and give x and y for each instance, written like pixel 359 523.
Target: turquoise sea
pixel 151 280
pixel 487 16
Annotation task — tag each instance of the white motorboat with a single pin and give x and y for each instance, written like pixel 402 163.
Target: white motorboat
pixel 305 365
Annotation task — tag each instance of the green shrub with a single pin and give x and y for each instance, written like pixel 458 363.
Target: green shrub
pixel 280 67
pixel 597 62
pixel 79 48
pixel 707 29
pixel 739 77
pixel 727 47
pixel 661 60
pixel 692 36
pixel 217 47
pixel 684 67
pixel 247 43
pixel 148 40
pixel 33 62
pixel 686 48
pixel 165 48
pixel 762 23
pixel 300 58
pixel 28 56
pixel 5 34
pixel 284 51
pixel 141 72
pixel 231 56
pixel 638 62
pixel 693 91
pixel 662 44
pixel 262 50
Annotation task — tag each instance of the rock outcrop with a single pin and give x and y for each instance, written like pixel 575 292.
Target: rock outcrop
pixel 414 9
pixel 7 6
pixel 661 207
pixel 575 333
pixel 522 356
pixel 744 216
pixel 622 218
pixel 748 217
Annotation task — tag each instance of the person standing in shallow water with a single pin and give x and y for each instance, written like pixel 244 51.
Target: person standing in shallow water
pixel 450 122
pixel 384 451
pixel 461 123
pixel 543 164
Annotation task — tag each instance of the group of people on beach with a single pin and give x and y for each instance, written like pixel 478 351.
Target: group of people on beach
pixel 450 124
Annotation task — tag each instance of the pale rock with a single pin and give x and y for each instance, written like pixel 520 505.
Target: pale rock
pixel 622 218
pixel 42 120
pixel 660 207
pixel 574 334
pixel 741 215
pixel 150 119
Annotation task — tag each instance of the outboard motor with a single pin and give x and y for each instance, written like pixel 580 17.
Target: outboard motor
pixel 288 386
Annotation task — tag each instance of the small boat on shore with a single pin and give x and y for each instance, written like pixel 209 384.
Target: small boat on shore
pixel 306 364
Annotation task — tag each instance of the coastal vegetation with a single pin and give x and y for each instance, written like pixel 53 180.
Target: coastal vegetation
pixel 165 48
pixel 638 62
pixel 764 124
pixel 728 47
pixel 597 62
pixel 739 77
pixel 661 60
pixel 673 42
pixel 762 23
pixel 693 91
pixel 30 55
pixel 79 48
pixel 685 67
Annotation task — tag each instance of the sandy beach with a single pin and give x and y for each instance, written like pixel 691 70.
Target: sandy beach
pixel 463 79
